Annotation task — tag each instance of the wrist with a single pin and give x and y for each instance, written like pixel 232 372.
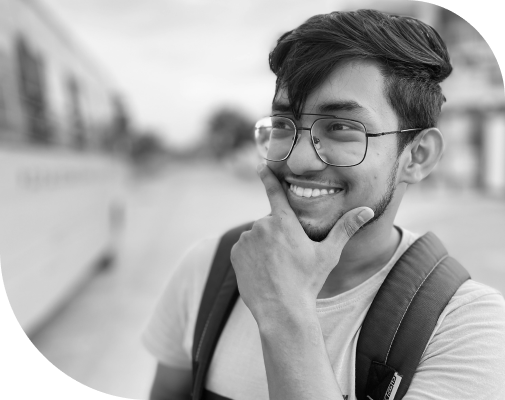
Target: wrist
pixel 286 319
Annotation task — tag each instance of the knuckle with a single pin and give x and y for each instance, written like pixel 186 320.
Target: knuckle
pixel 259 228
pixel 237 253
pixel 242 240
pixel 233 253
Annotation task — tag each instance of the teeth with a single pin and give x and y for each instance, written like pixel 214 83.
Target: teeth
pixel 308 192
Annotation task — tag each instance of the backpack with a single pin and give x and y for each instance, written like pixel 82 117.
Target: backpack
pixel 394 334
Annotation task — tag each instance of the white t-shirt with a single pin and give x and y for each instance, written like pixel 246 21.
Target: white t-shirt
pixel 465 357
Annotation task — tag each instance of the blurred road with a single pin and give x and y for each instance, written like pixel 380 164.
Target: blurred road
pixel 95 339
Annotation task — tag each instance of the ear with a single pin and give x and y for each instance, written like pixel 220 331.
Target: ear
pixel 421 156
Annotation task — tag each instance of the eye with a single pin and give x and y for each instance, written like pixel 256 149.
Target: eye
pixel 338 126
pixel 279 124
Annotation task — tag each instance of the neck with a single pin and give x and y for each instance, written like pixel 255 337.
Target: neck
pixel 367 252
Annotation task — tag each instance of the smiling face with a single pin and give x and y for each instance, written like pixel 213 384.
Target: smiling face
pixel 354 90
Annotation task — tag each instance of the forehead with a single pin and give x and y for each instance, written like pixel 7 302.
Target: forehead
pixel 355 87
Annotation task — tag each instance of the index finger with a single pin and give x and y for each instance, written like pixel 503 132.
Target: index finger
pixel 275 193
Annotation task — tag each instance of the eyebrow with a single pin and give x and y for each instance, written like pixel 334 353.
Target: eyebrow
pixel 282 107
pixel 326 107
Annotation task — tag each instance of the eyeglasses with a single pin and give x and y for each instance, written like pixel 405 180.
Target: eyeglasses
pixel 338 142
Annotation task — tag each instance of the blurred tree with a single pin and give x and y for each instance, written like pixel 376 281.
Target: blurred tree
pixel 145 147
pixel 119 138
pixel 229 130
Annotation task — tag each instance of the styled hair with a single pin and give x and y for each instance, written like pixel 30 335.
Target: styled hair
pixel 412 57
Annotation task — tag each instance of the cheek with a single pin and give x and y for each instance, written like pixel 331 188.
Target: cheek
pixel 369 182
pixel 277 168
pixel 376 168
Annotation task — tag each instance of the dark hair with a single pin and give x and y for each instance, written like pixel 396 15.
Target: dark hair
pixel 412 56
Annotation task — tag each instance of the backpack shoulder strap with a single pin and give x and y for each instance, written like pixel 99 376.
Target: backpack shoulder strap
pixel 219 297
pixel 401 319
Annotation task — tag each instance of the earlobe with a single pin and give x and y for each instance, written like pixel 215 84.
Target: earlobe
pixel 422 155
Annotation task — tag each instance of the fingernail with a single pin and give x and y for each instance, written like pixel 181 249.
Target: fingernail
pixel 260 167
pixel 365 215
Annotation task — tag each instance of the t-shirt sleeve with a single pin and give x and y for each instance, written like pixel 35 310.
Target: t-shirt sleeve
pixel 465 358
pixel 168 335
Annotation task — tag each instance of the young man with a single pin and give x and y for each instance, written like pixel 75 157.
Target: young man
pixel 353 124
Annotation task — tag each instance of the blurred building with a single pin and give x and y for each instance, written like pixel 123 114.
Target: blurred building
pixel 473 118
pixel 62 129
pixel 51 92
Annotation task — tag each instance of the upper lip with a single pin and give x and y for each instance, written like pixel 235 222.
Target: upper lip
pixel 311 185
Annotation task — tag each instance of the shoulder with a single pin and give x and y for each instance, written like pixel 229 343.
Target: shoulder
pixel 193 268
pixel 472 325
pixel 198 258
pixel 473 292
pixel 168 333
pixel 474 303
pixel 183 290
pixel 465 357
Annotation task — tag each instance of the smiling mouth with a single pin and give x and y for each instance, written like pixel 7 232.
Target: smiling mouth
pixel 310 192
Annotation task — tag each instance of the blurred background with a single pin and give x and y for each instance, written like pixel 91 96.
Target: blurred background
pixel 126 136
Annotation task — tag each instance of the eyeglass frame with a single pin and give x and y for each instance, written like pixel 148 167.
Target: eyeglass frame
pixel 367 135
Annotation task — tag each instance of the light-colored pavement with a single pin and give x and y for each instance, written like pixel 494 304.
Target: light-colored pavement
pixel 96 337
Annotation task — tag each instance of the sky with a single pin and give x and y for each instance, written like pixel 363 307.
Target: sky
pixel 177 61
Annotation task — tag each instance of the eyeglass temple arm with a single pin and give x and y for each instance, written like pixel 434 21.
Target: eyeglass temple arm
pixel 392 132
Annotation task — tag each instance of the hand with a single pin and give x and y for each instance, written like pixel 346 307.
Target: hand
pixel 277 266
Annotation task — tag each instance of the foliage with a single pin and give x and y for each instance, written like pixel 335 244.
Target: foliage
pixel 228 131
pixel 145 146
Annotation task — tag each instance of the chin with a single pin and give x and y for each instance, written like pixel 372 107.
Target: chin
pixel 318 230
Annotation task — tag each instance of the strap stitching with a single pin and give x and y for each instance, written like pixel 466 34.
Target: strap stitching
pixel 403 316
pixel 203 335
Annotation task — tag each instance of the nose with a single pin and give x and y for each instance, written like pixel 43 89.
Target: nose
pixel 303 157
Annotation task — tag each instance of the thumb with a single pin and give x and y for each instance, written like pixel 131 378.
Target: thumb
pixel 348 225
pixel 275 193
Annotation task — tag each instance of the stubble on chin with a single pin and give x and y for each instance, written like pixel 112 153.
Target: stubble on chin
pixel 317 233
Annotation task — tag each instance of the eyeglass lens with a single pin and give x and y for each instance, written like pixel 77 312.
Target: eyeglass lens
pixel 337 141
